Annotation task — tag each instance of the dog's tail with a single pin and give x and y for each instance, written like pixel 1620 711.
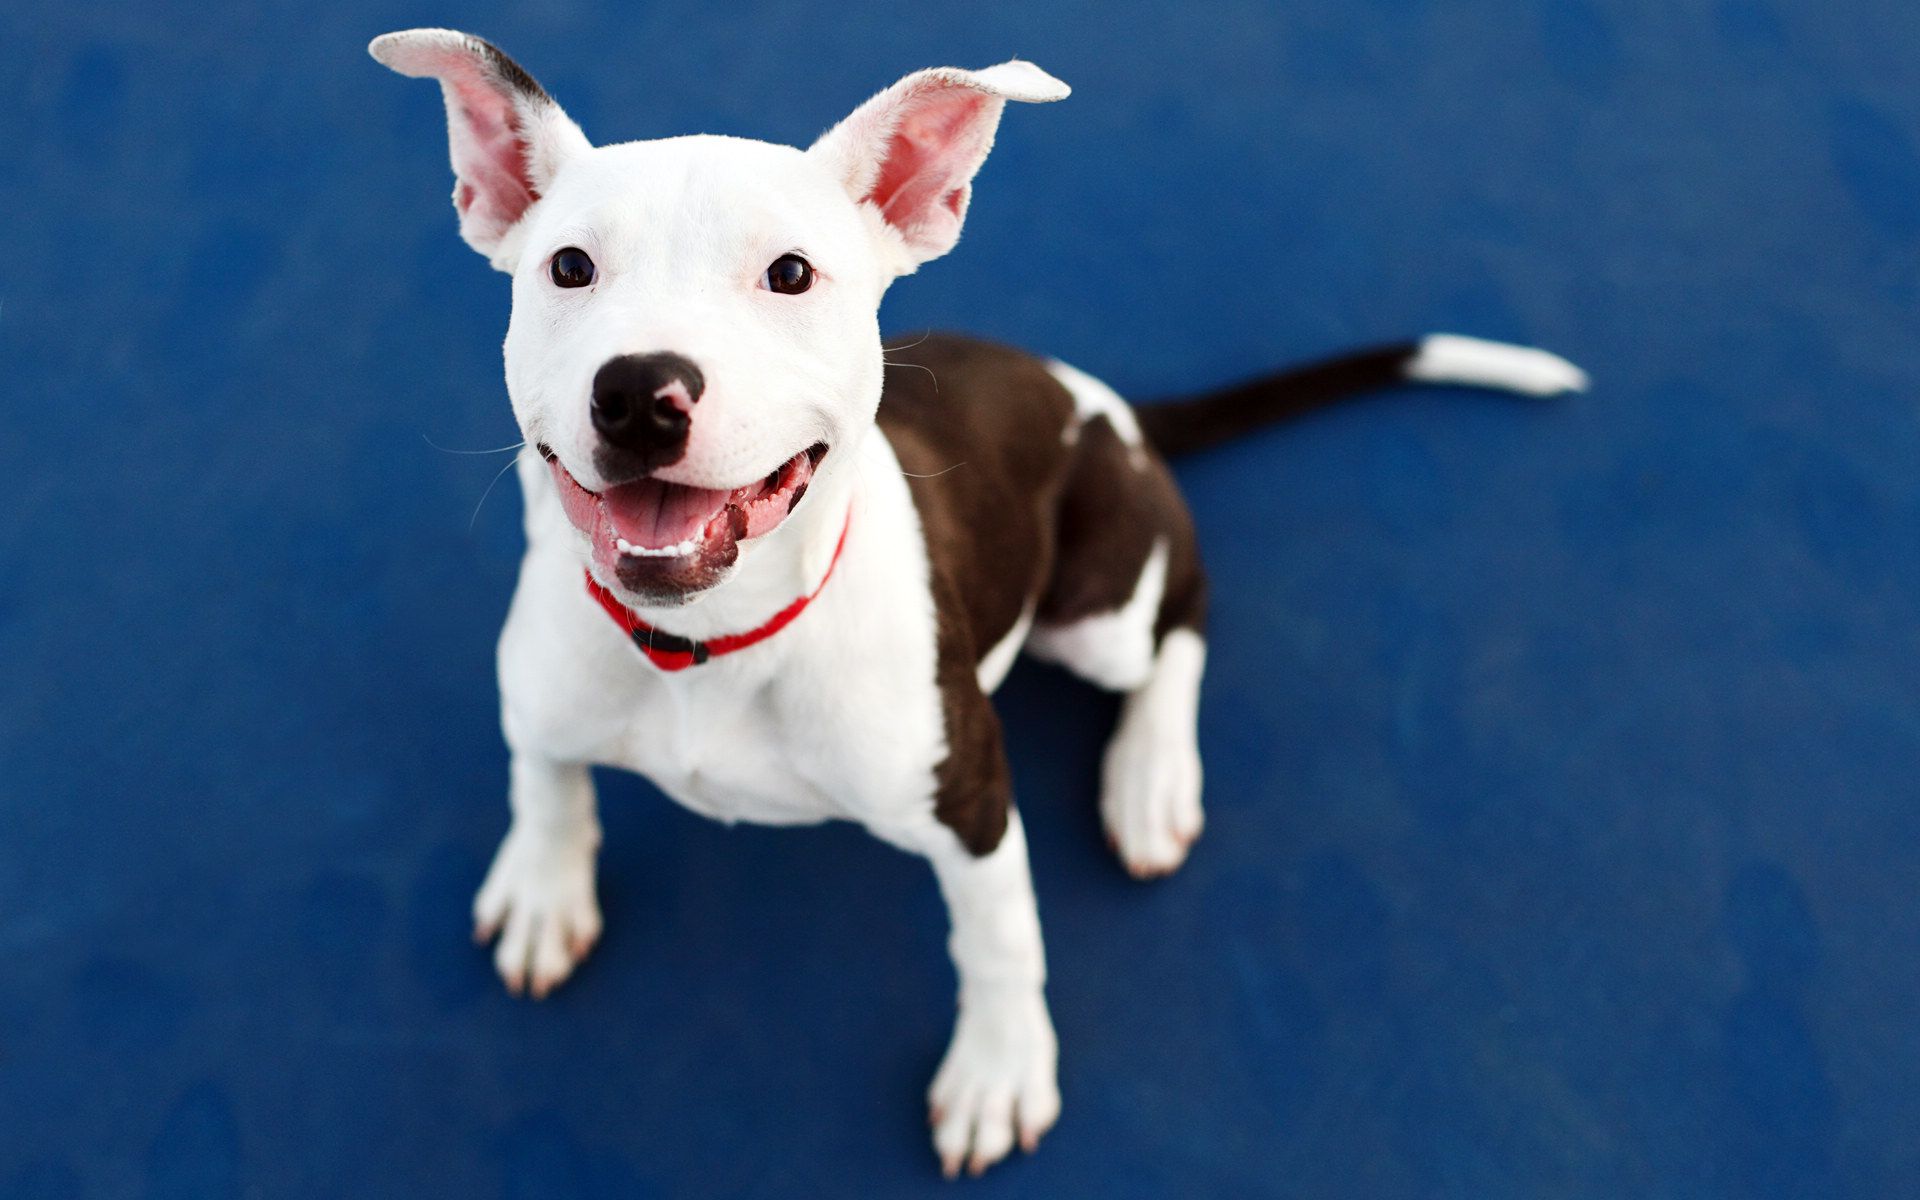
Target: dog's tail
pixel 1199 422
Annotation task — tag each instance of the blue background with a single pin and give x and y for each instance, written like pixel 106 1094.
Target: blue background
pixel 1561 756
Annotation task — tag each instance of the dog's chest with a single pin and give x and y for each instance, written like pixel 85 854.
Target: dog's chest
pixel 723 753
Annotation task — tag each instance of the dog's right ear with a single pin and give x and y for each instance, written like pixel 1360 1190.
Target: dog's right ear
pixel 507 136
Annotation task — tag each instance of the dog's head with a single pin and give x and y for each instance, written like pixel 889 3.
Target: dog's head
pixel 694 330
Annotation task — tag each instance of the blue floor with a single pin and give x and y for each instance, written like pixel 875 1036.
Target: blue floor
pixel 1564 828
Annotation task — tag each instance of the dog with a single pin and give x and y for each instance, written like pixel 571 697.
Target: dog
pixel 780 575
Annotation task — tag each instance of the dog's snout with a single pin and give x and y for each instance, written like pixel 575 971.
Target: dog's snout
pixel 643 406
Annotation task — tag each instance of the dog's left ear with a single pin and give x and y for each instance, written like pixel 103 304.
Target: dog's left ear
pixel 912 150
pixel 506 135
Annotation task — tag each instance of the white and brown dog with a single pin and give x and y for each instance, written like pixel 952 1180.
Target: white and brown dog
pixel 779 576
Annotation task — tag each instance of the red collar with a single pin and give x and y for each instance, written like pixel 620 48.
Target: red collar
pixel 672 653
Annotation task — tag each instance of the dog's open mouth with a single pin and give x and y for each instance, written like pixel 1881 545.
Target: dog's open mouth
pixel 660 538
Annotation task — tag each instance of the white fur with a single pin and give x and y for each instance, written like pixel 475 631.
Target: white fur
pixel 751 736
pixel 1150 785
pixel 1093 398
pixel 996 1082
pixel 995 663
pixel 539 895
pixel 1451 358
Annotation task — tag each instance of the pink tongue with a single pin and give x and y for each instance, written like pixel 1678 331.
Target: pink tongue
pixel 653 514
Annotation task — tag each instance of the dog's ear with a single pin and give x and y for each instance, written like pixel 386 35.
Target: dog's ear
pixel 506 135
pixel 912 150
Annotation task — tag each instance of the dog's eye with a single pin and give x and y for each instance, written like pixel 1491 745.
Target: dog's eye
pixel 789 275
pixel 572 268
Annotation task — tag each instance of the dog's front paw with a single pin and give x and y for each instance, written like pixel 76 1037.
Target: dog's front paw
pixel 539 898
pixel 1150 799
pixel 997 1080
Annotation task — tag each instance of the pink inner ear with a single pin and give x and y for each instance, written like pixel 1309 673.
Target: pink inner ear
pixel 491 157
pixel 931 156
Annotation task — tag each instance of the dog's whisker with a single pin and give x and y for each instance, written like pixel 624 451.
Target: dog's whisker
pixel 908 346
pixel 934 475
pixel 489 492
pixel 449 450
pixel 918 367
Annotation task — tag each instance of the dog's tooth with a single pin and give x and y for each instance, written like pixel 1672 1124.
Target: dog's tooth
pixel 677 550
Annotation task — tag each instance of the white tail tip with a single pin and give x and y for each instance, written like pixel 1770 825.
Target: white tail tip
pixel 1450 358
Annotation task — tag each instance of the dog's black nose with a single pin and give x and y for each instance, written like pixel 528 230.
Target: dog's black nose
pixel 642 406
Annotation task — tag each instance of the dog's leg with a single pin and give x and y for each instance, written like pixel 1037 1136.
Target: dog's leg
pixel 1150 782
pixel 539 895
pixel 1124 610
pixel 997 1082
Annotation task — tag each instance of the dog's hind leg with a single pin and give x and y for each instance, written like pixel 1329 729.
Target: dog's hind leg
pixel 1150 781
pixel 1125 609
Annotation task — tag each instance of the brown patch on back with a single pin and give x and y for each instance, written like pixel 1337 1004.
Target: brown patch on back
pixel 978 429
